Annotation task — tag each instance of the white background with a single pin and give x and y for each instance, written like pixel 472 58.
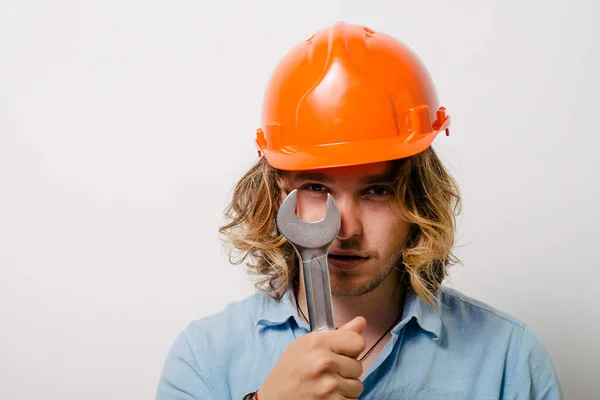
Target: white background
pixel 125 124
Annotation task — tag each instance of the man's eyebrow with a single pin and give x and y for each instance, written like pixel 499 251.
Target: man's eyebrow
pixel 311 176
pixel 386 177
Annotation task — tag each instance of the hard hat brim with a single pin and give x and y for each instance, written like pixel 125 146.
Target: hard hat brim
pixel 346 154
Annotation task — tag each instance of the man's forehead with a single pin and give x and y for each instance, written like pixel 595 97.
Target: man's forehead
pixel 376 172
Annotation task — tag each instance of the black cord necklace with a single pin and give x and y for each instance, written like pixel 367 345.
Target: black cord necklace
pixel 376 343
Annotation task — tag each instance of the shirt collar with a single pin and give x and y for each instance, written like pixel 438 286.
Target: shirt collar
pixel 427 317
pixel 276 313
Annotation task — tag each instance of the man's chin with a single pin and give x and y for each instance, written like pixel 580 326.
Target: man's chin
pixel 351 289
pixel 348 285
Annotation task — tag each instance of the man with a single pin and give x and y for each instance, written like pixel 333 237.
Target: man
pixel 353 113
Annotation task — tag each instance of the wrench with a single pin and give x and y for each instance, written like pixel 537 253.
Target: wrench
pixel 312 240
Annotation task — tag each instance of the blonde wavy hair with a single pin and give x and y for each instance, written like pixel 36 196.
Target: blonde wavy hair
pixel 426 192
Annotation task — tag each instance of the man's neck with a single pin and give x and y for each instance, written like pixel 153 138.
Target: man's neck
pixel 380 307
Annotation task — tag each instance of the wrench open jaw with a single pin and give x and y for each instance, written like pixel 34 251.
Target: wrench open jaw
pixel 312 240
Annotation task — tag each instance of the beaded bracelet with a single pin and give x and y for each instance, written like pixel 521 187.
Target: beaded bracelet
pixel 251 396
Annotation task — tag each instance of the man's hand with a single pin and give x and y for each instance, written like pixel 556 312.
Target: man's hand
pixel 319 365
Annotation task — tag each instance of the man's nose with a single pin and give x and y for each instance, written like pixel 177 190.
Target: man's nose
pixel 351 223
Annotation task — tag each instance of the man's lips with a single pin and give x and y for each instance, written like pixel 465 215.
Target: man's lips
pixel 346 260
pixel 347 254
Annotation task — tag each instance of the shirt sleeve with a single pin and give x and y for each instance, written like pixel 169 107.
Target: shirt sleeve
pixel 534 376
pixel 182 377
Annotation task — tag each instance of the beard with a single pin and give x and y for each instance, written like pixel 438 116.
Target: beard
pixel 351 285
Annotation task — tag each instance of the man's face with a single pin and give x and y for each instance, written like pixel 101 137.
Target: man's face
pixel 373 232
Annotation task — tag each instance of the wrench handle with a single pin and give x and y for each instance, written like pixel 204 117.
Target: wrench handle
pixel 318 293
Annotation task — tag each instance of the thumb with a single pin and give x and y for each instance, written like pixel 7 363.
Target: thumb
pixel 358 325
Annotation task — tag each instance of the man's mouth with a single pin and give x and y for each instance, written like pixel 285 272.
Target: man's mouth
pixel 346 260
pixel 346 257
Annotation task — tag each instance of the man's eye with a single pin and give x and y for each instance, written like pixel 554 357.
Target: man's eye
pixel 314 187
pixel 380 190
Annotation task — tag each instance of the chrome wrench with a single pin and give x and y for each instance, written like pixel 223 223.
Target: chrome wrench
pixel 312 240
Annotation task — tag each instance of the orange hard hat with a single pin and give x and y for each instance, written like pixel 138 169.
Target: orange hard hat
pixel 347 96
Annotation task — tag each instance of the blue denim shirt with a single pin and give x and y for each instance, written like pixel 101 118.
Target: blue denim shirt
pixel 463 349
